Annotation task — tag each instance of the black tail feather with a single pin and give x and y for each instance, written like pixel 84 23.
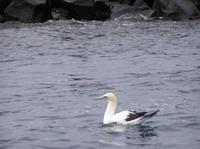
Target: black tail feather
pixel 149 115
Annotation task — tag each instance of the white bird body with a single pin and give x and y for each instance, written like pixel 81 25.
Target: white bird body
pixel 116 118
pixel 124 117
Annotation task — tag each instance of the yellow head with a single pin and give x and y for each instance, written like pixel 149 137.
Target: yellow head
pixel 108 96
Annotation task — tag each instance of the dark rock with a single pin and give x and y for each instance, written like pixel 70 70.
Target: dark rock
pixel 102 10
pixel 1 19
pixel 85 9
pixel 128 2
pixel 176 9
pixel 150 3
pixel 41 10
pixel 4 4
pixel 59 14
pixel 29 10
pixel 169 9
pixel 197 3
pixel 135 2
pixel 120 9
pixel 87 3
pixel 139 11
pixel 57 3
pixel 141 5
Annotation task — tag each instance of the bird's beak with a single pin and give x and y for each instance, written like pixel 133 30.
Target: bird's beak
pixel 100 98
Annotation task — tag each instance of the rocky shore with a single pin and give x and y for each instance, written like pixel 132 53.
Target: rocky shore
pixel 30 11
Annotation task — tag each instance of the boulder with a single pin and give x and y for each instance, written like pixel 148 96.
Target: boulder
pixel 57 3
pixel 119 9
pixel 59 14
pixel 176 9
pixel 4 4
pixel 137 9
pixel 102 10
pixel 29 10
pixel 141 5
pixel 86 3
pixel 150 3
pixel 1 19
pixel 84 9
pixel 126 2
pixel 168 9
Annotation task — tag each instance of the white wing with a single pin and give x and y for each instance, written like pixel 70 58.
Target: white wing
pixel 120 117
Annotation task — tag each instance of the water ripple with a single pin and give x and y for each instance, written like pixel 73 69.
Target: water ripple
pixel 52 72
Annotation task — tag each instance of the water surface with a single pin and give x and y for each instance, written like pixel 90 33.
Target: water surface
pixel 50 73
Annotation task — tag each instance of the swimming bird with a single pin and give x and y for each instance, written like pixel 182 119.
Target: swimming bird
pixel 124 117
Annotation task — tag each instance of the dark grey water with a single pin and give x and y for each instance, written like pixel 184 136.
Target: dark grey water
pixel 50 73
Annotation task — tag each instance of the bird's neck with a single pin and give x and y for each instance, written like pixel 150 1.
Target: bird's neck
pixel 110 110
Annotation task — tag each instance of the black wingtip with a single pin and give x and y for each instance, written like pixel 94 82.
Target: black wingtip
pixel 156 111
pixel 150 114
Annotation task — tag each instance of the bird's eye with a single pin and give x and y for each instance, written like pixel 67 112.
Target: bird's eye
pixel 105 97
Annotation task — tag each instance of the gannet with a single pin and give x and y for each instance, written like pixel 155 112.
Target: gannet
pixel 124 117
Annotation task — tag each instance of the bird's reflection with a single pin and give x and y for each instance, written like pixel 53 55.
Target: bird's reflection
pixel 120 134
pixel 146 131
